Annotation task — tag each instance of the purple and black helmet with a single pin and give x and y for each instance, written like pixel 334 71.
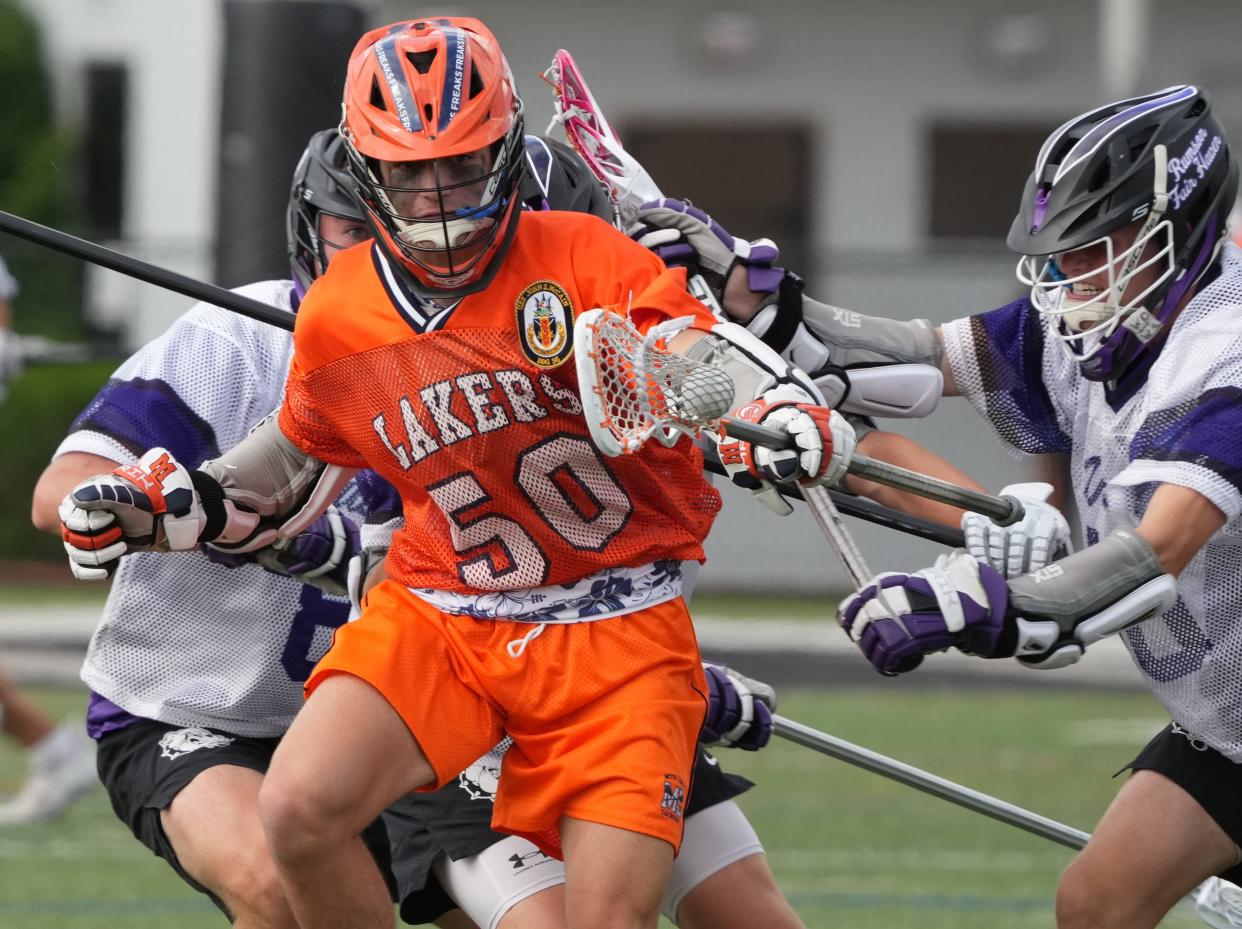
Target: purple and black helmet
pixel 1160 163
pixel 321 184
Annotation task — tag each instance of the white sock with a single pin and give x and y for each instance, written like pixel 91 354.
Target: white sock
pixel 57 746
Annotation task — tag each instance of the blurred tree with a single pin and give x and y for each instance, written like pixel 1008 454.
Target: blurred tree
pixel 36 180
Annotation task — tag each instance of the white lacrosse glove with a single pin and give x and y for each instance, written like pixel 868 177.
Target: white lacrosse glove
pixel 1219 904
pixel 154 505
pixel 825 446
pixel 1040 537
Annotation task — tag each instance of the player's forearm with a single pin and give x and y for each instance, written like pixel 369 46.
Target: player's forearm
pixel 1177 523
pixel 265 473
pixel 58 478
pixel 899 450
pixel 739 302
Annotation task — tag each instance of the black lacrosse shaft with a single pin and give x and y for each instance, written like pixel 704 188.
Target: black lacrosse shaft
pixel 161 277
pixel 872 512
pixel 1004 511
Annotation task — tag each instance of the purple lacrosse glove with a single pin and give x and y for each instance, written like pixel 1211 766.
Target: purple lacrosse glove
pixel 958 602
pixel 686 237
pixel 739 710
pixel 319 555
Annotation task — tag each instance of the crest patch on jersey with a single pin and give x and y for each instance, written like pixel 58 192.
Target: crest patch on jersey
pixel 674 800
pixel 545 321
pixel 183 741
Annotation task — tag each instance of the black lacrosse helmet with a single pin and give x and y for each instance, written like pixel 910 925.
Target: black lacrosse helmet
pixel 1162 158
pixel 321 184
pixel 557 179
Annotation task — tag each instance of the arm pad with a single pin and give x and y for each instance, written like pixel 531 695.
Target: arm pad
pixel 814 334
pixel 265 472
pixel 1080 599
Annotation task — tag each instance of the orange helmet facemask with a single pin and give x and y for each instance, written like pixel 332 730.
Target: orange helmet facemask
pixel 433 129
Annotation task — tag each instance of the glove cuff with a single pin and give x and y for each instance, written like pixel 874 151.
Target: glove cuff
pixel 211 499
pixel 778 327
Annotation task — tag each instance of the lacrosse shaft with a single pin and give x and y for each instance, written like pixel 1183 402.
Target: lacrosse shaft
pixel 152 274
pixel 870 511
pixel 825 513
pixel 929 783
pixel 1002 510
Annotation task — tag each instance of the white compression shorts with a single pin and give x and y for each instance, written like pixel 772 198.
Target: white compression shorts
pixel 486 886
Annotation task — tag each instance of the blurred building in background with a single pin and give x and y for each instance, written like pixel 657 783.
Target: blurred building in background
pixel 883 145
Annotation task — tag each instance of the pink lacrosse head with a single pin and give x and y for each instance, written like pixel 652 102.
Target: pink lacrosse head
pixel 590 135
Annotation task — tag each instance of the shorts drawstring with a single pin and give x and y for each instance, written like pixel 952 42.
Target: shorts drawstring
pixel 518 646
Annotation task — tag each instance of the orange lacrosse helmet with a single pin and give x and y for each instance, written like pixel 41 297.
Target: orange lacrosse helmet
pixel 433 129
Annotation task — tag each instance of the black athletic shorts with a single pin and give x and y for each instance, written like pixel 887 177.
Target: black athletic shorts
pixel 1212 779
pixel 144 766
pixel 457 820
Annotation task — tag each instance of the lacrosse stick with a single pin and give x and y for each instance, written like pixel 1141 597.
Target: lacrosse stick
pixel 152 274
pixel 629 186
pixel 929 783
pixel 869 511
pixel 1217 902
pixel 634 389
pixel 589 134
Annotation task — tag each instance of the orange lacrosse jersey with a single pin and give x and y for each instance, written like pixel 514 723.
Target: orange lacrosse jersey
pixel 473 413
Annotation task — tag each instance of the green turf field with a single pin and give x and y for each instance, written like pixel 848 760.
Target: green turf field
pixel 849 848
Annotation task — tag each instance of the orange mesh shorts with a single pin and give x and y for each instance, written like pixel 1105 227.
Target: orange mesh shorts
pixel 604 715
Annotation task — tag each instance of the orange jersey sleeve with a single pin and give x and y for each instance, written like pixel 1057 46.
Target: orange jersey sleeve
pixel 631 278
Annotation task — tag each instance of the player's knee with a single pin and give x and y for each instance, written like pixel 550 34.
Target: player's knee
pixel 613 913
pixel 296 822
pixel 1083 901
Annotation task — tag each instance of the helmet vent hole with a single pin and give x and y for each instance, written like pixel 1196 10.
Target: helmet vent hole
pixel 1100 177
pixel 1138 144
pixel 1196 108
pixel 427 112
pixel 377 96
pixel 422 60
pixel 476 82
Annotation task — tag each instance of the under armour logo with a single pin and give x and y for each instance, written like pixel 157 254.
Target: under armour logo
pixel 522 862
